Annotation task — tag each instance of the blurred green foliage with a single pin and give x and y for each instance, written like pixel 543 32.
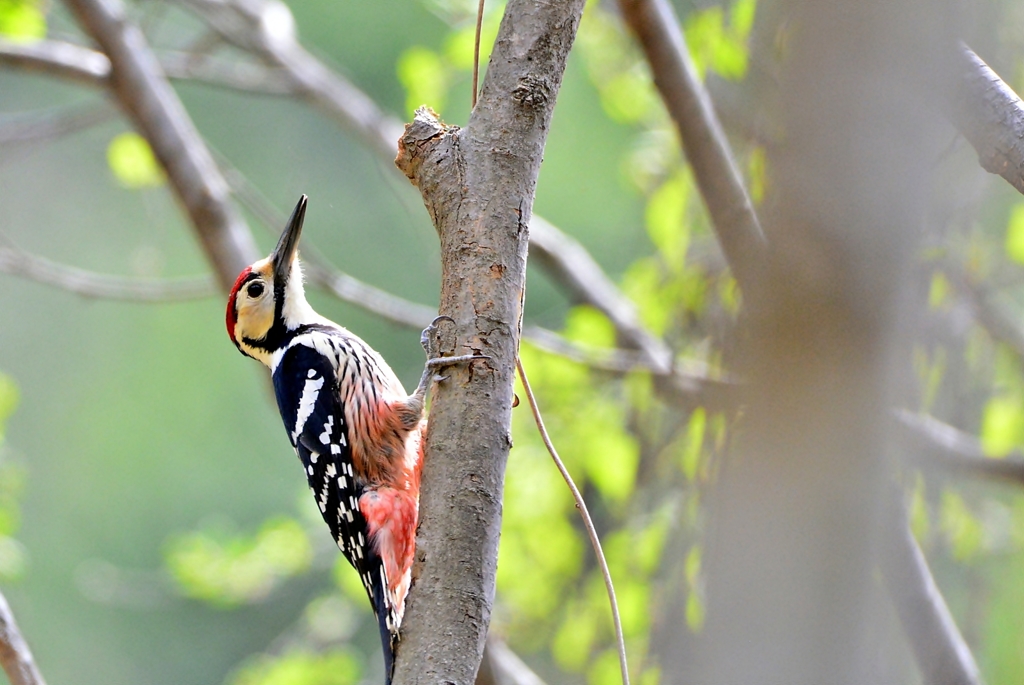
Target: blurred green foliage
pixel 22 20
pixel 133 162
pixel 145 441
pixel 231 570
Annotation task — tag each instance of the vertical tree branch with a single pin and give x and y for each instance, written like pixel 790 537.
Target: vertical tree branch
pixel 795 510
pixel 478 185
pixel 688 103
pixel 148 99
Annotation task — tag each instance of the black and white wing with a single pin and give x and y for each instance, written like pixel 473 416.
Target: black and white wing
pixel 311 407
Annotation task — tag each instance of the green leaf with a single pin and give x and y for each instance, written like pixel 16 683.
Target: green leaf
pixel 611 463
pixel 605 669
pixel 665 218
pixel 22 20
pixel 8 399
pixel 741 17
pixel 133 162
pixel 694 612
pixel 939 290
pixel 575 638
pixel 1015 234
pixel 1002 425
pixel 424 75
pixel 962 529
pixel 585 324
pixel 694 444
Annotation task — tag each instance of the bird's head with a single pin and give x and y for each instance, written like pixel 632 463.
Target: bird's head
pixel 268 299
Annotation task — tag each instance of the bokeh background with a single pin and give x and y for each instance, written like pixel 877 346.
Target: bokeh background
pixel 155 524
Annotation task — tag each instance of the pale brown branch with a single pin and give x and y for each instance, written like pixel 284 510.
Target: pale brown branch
pixel 267 29
pixel 149 101
pixel 478 186
pixel 990 116
pixel 502 666
pixel 732 214
pixel 15 655
pixel 57 58
pixel 942 655
pixel 89 284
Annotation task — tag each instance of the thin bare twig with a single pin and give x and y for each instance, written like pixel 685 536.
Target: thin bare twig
pixel 148 99
pixel 17 262
pixel 502 666
pixel 942 655
pixel 704 143
pixel 476 52
pixel 44 126
pixel 15 656
pixel 588 523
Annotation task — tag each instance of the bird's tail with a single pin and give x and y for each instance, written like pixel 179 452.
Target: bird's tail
pixel 384 613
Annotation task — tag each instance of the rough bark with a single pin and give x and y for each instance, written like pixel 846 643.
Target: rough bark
pixel 149 101
pixel 478 185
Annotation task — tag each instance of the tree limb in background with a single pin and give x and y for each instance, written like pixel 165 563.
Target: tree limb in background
pixel 990 116
pixel 570 265
pixel 267 29
pixel 732 214
pixel 478 186
pixel 57 58
pixel 150 102
pixel 942 655
pixel 933 443
pixel 501 666
pixel 88 284
pixel 35 127
pixel 15 656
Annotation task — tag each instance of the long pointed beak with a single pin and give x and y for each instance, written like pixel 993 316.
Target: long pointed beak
pixel 282 256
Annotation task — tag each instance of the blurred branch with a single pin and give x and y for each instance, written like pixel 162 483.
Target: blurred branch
pixel 145 95
pixel 15 656
pixel 932 443
pixel 994 319
pixel 990 116
pixel 234 74
pixel 57 58
pixel 267 29
pixel 41 126
pixel 89 284
pixel 942 655
pixel 502 666
pixel 577 272
pixel 732 214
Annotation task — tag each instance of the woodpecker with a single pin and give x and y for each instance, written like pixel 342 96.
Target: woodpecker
pixel 358 434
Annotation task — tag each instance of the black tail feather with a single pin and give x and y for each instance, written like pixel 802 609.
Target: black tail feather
pixel 382 609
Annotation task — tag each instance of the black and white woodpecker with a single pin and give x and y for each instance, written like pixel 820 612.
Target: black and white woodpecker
pixel 358 434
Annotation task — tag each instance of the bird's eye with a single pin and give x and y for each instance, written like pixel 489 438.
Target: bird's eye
pixel 254 290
